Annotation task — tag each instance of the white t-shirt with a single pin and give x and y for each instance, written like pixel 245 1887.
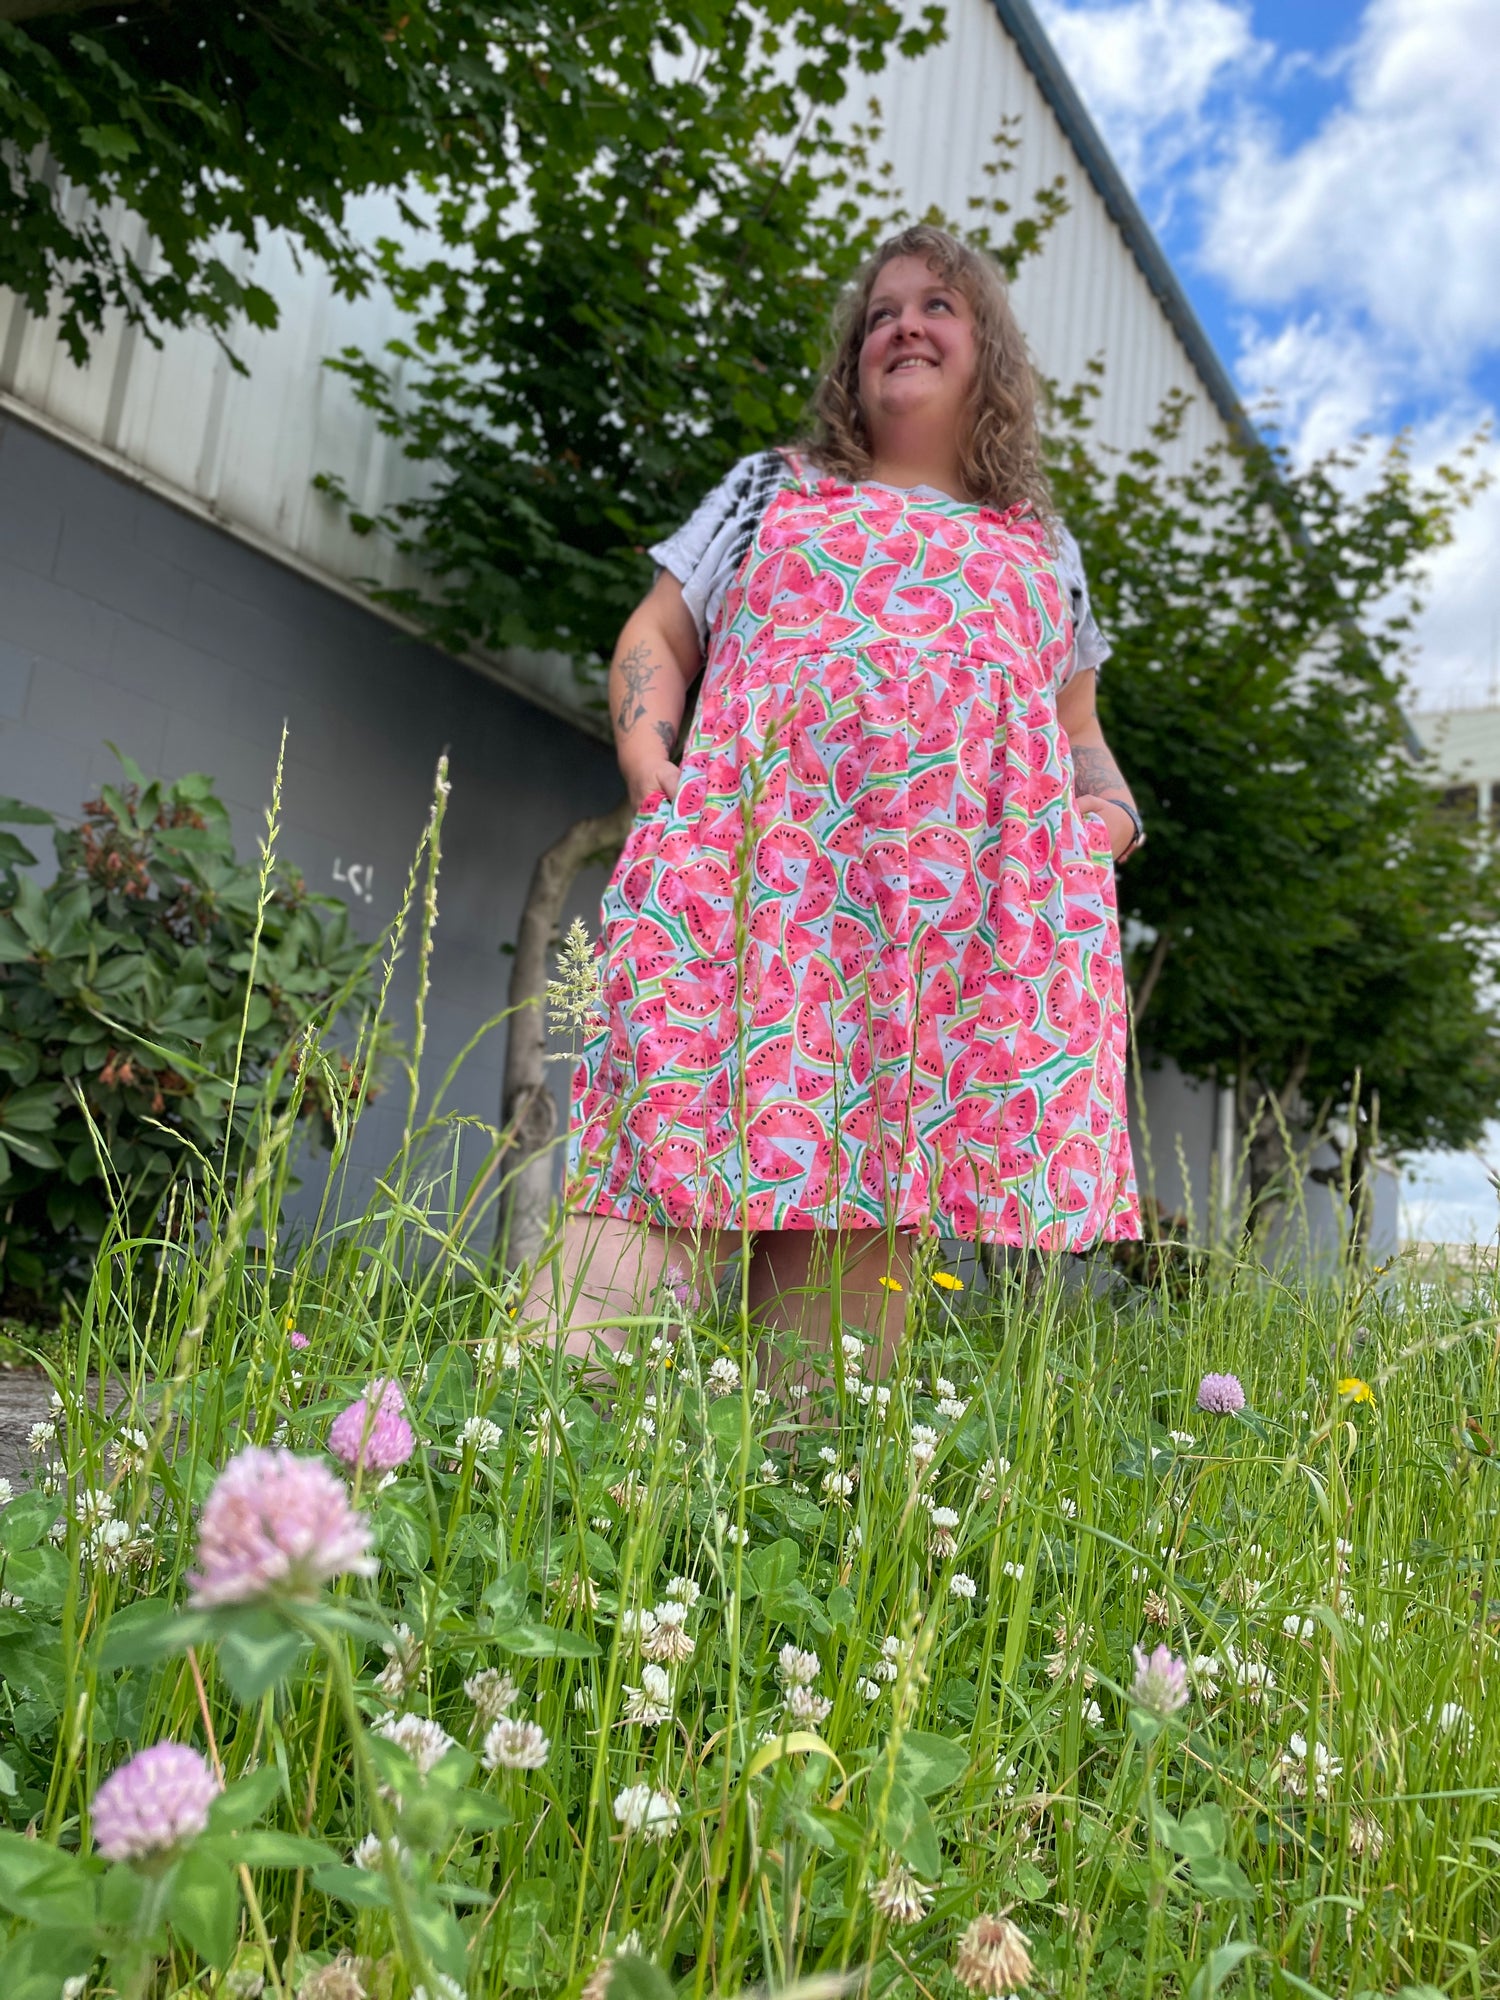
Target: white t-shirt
pixel 706 552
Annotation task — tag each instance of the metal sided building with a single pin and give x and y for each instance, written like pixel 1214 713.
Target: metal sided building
pixel 172 582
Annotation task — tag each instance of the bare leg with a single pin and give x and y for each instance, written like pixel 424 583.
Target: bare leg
pixel 607 1271
pixel 822 1283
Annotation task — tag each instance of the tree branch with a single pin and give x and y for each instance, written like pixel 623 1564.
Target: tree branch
pixel 528 1110
pixel 1140 1000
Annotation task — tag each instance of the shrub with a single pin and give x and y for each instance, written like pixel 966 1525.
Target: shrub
pixel 123 989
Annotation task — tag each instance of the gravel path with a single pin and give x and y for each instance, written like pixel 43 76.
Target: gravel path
pixel 24 1394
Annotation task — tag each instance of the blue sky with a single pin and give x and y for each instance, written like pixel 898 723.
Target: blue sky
pixel 1325 178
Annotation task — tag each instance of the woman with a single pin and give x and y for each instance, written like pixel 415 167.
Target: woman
pixel 860 965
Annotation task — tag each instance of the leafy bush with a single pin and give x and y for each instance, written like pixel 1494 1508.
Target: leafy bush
pixel 123 1001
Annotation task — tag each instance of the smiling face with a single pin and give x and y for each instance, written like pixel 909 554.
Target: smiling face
pixel 916 362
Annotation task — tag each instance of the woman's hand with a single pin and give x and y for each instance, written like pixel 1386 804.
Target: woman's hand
pixel 657 774
pixel 1121 826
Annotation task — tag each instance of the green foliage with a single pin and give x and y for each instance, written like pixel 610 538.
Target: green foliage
pixel 260 118
pixel 1314 926
pixel 146 991
pixel 1325 1805
pixel 586 364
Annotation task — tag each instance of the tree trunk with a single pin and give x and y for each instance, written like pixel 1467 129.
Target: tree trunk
pixel 1267 1156
pixel 1140 1000
pixel 528 1110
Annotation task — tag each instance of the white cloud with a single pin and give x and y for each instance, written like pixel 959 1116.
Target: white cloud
pixel 1458 631
pixel 1146 69
pixel 1388 210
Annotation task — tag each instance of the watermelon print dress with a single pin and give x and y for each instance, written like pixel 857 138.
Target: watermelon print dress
pixel 864 970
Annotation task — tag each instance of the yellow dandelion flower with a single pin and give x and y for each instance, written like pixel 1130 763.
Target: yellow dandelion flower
pixel 892 1285
pixel 947 1281
pixel 1355 1390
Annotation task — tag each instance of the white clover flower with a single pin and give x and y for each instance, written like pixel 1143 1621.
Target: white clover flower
pixel 1067 1506
pixel 760 1399
pixel 990 1475
pixel 660 1349
pixel 838 1485
pixel 10 1602
pixel 629 1493
pixel 951 1407
pixel 723 1378
pixel 862 1392
pixel 112 1545
pixel 892 1653
pixel 1204 1670
pixel 1296 1766
pixel 7 1493
pixel 900 1897
pixel 923 1447
pixel 370 1853
pixel 670 1641
pixel 882 1398
pixel 796 1668
pixel 1253 1677
pixel 960 1584
pixel 770 1472
pixel 868 1690
pixel 650 1704
pixel 548 1434
pixel 651 1814
pixel 806 1707
pixel 1014 1570
pixel 1298 1628
pixel 55 1403
pixel 1450 1718
pixel 828 1455
pixel 514 1745
pixel 1184 1440
pixel 638 1625
pixel 491 1692
pixel 403 1665
pixel 1093 1715
pixel 683 1590
pixel 733 1534
pixel 481 1433
pixel 510 1355
pixel 944 1539
pixel 853 1349
pixel 943 1387
pixel 423 1740
pixel 129 1451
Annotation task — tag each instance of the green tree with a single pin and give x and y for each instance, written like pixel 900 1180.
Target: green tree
pixel 1310 925
pixel 215 125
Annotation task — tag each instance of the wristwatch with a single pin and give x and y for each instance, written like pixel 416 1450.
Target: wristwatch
pixel 1135 819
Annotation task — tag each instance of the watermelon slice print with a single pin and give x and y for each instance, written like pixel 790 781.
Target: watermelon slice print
pixel 933 998
pixel 788 1142
pixel 899 606
pixel 1073 1174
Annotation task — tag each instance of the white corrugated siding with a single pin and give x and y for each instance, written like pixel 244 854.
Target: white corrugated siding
pixel 245 448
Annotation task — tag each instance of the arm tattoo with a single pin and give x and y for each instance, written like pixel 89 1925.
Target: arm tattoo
pixel 667 734
pixel 638 670
pixel 1096 774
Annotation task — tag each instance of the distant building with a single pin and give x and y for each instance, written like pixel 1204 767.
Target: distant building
pixel 170 579
pixel 1465 746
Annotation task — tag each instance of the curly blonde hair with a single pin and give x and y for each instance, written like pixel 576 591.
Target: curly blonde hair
pixel 1000 452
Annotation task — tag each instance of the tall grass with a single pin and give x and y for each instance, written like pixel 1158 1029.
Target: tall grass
pixel 962 1567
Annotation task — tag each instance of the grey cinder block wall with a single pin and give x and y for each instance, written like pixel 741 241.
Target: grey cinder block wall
pixel 124 619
